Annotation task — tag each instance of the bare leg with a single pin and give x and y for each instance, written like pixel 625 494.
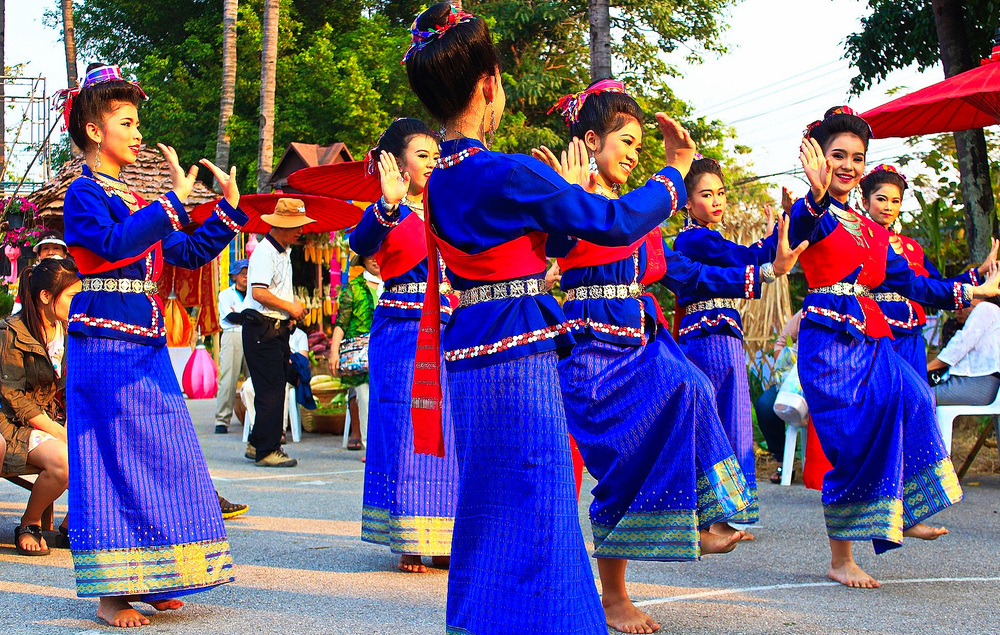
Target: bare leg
pixel 619 611
pixel 925 532
pixel 166 605
pixel 725 529
pixel 412 564
pixel 718 543
pixel 51 458
pixel 117 611
pixel 844 570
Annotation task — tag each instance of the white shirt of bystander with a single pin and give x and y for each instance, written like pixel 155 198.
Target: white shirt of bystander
pixel 974 351
pixel 270 268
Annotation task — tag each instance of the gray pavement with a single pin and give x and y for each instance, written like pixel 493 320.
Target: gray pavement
pixel 301 567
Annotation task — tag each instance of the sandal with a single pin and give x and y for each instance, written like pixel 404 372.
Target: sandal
pixel 354 444
pixel 35 531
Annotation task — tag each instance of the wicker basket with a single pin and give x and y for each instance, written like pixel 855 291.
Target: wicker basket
pixel 332 423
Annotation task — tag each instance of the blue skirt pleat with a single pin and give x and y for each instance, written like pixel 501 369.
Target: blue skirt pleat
pixel 144 518
pixel 518 561
pixel 875 420
pixel 913 350
pixel 646 423
pixel 409 499
pixel 722 358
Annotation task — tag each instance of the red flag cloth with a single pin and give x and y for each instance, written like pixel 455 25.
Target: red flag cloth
pixel 521 257
pixel 403 248
pixel 816 463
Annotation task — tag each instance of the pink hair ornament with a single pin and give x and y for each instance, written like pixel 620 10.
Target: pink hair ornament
pixel 570 105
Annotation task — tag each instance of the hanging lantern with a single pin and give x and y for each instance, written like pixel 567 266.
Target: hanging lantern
pixel 201 377
pixel 251 245
pixel 177 323
pixel 13 252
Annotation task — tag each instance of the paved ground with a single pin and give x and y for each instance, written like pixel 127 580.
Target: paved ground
pixel 303 569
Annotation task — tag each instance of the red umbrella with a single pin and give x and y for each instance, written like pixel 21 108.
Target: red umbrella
pixel 348 180
pixel 330 214
pixel 962 102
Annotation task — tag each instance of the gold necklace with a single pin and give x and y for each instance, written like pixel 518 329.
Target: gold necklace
pixel 114 187
pixel 605 192
pixel 850 221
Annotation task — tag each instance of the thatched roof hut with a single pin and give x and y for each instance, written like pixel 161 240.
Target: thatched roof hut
pixel 149 176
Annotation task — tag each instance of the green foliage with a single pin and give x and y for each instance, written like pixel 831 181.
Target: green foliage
pixel 898 34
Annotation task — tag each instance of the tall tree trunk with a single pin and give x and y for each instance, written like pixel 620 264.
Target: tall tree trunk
pixel 973 163
pixel 69 45
pixel 3 99
pixel 268 64
pixel 600 39
pixel 230 8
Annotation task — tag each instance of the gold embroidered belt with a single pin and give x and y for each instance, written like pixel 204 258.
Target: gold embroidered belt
pixel 606 292
pixel 501 291
pixel 888 297
pixel 707 305
pixel 408 287
pixel 845 288
pixel 121 285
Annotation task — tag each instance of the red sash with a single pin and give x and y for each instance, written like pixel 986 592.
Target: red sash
pixel 90 263
pixel 521 257
pixel 403 248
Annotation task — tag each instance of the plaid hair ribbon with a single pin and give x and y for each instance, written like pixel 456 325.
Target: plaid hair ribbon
pixel 100 75
pixel 570 105
pixel 423 38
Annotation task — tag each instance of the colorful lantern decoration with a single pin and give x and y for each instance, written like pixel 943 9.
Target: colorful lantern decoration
pixel 177 322
pixel 201 377
pixel 13 253
pixel 251 244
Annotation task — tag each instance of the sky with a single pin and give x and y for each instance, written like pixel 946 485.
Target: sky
pixel 783 70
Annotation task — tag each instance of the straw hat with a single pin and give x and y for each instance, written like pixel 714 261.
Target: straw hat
pixel 288 213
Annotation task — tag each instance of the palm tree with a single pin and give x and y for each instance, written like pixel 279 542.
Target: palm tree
pixel 268 64
pixel 600 39
pixel 230 9
pixel 69 42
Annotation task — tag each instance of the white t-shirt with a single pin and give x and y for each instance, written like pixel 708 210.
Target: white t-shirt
pixel 230 301
pixel 270 268
pixel 974 351
pixel 298 342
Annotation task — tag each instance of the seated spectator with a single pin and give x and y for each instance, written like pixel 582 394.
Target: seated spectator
pixel 972 358
pixel 32 387
pixel 770 424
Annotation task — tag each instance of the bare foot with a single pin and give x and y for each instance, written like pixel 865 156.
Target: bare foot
pixel 717 543
pixel 623 616
pixel 441 562
pixel 166 605
pixel 116 611
pixel 412 564
pixel 850 574
pixel 29 542
pixel 925 532
pixel 725 529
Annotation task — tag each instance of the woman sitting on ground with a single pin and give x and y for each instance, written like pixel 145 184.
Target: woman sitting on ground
pixel 32 387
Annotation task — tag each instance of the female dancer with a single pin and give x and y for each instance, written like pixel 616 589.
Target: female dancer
pixel 873 414
pixel 33 408
pixel 643 415
pixel 519 563
pixel 711 333
pixel 409 499
pixel 144 520
pixel 881 195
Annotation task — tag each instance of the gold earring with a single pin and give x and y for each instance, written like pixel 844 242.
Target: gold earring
pixel 97 160
pixel 490 137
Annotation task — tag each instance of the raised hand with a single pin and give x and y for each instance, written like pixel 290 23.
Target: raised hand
pixel 183 182
pixel 677 143
pixel 227 182
pixel 990 260
pixel 394 185
pixel 786 257
pixel 768 221
pixel 990 288
pixel 786 199
pixel 818 169
pixel 548 157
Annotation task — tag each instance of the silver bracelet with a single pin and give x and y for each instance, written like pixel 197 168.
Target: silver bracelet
pixel 767 273
pixel 385 207
pixel 967 294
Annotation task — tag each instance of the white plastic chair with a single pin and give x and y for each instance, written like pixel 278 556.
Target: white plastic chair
pixel 946 417
pixel 290 416
pixel 792 433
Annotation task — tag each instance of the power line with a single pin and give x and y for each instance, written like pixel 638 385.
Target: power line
pixel 769 86
pixel 772 93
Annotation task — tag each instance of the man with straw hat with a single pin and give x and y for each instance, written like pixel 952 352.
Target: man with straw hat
pixel 267 312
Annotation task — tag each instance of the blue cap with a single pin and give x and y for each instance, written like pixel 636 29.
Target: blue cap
pixel 238 266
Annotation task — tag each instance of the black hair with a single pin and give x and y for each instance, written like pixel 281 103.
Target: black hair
pixel 698 168
pixel 444 73
pixel 836 123
pixel 604 113
pixel 92 105
pixel 877 178
pixel 52 275
pixel 398 135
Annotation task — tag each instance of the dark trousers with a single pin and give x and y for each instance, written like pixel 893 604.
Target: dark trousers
pixel 265 345
pixel 770 424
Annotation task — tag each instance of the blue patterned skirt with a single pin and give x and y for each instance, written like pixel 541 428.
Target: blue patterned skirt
pixel 409 499
pixel 645 420
pixel 144 518
pixel 518 560
pixel 913 350
pixel 722 358
pixel 875 421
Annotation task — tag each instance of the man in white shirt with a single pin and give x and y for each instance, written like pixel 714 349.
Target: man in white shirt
pixel 231 360
pixel 267 312
pixel 972 358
